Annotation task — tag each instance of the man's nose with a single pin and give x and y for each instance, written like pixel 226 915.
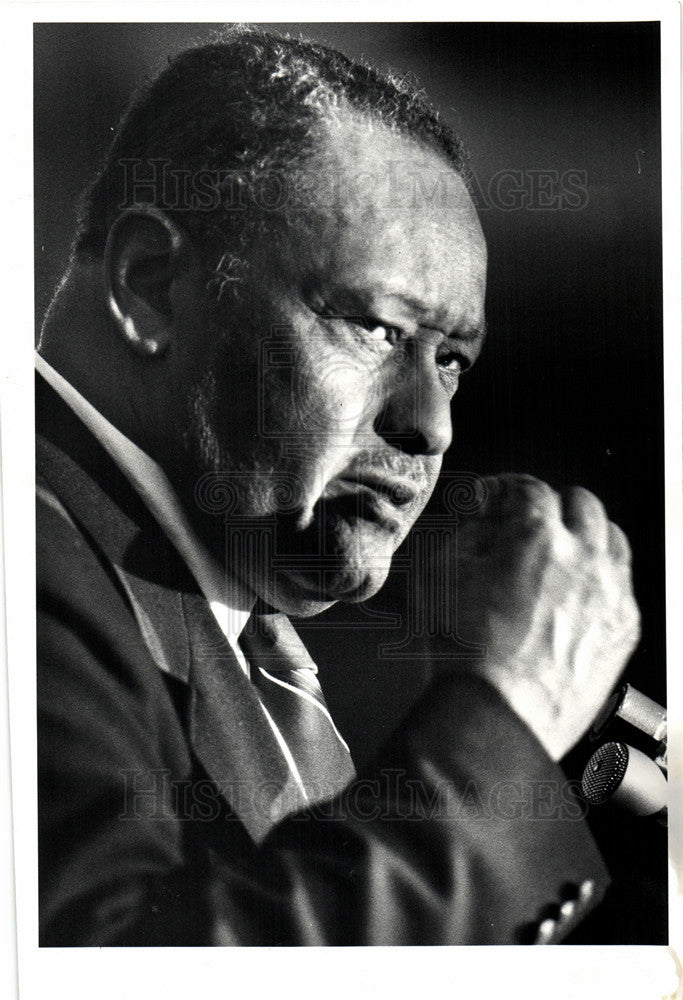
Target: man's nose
pixel 416 417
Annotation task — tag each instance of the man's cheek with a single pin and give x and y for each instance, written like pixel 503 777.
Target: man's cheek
pixel 334 394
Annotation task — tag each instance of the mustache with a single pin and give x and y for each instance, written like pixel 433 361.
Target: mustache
pixel 413 469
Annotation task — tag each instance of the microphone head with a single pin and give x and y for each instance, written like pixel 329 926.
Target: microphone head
pixel 604 772
pixel 627 777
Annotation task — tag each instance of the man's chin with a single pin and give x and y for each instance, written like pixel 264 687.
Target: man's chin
pixel 303 595
pixel 348 561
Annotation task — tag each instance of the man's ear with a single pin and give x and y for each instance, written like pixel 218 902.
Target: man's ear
pixel 145 252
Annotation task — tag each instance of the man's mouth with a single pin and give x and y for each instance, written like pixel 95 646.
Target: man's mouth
pixel 398 491
pixel 372 496
pixel 345 550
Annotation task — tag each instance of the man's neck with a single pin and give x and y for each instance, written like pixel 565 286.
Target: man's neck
pixel 78 342
pixel 225 593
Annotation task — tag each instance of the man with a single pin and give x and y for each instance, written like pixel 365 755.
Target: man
pixel 243 399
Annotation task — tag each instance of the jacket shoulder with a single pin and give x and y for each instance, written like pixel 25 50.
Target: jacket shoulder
pixel 69 568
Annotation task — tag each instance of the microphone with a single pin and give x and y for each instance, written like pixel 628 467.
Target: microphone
pixel 618 772
pixel 627 777
pixel 635 708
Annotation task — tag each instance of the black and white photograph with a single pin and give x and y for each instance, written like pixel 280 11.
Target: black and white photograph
pixel 353 513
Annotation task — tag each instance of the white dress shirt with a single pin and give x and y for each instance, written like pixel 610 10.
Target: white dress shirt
pixel 231 602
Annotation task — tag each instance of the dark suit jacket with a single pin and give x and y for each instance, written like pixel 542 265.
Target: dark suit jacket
pixel 154 832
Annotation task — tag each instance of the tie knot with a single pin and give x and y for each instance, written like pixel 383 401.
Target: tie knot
pixel 271 641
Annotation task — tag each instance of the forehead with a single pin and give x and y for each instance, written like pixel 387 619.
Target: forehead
pixel 392 217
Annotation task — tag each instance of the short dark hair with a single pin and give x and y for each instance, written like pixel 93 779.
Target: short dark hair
pixel 243 107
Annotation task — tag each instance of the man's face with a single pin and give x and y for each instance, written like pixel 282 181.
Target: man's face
pixel 325 408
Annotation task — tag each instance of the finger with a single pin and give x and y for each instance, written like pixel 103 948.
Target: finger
pixel 618 544
pixel 524 496
pixel 585 517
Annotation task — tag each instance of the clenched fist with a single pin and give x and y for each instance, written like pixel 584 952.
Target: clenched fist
pixel 544 583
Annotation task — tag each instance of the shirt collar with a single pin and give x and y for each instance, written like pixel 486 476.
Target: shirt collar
pixel 230 601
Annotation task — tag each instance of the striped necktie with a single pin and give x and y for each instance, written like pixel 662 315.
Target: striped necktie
pixel 291 695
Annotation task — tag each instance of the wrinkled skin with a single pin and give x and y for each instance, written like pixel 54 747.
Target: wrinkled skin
pixel 328 399
pixel 544 585
pixel 321 394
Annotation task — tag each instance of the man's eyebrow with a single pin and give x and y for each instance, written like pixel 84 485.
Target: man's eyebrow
pixel 466 334
pixel 470 335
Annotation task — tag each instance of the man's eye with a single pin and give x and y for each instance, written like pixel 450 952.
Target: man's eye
pixel 452 363
pixel 375 330
pixel 379 331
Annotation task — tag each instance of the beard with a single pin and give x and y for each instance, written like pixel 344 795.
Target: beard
pixel 340 556
pixel 202 443
pixel 257 506
pixel 253 517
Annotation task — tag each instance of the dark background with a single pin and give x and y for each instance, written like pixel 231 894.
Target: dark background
pixel 569 387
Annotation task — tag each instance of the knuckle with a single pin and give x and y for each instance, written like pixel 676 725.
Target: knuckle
pixel 619 545
pixel 533 487
pixel 585 518
pixel 581 494
pixel 633 614
pixel 587 505
pixel 530 497
pixel 512 483
pixel 628 616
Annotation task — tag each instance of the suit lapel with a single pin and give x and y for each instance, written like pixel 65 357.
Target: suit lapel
pixel 159 613
pixel 228 730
